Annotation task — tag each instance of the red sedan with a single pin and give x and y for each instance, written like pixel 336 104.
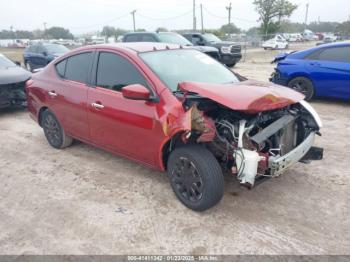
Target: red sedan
pixel 174 109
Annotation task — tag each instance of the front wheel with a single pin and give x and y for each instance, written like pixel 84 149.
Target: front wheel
pixel 304 86
pixel 196 177
pixel 54 133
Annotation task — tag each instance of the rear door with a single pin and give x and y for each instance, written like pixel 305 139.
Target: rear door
pixel 330 71
pixel 121 125
pixel 68 94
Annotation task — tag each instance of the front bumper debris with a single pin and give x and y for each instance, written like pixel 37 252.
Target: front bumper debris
pixel 278 164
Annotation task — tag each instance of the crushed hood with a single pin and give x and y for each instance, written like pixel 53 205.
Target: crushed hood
pixel 249 96
pixel 13 75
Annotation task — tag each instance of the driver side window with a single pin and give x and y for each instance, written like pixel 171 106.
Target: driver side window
pixel 114 72
pixel 196 40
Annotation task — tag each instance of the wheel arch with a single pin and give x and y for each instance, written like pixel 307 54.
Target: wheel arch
pixel 168 146
pixel 40 114
pixel 299 74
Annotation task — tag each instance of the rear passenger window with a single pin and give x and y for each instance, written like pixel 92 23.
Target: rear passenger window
pixel 131 38
pixel 77 67
pixel 337 54
pixel 148 38
pixel 61 67
pixel 114 72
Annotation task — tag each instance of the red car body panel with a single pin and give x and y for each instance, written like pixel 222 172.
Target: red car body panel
pixel 249 96
pixel 137 129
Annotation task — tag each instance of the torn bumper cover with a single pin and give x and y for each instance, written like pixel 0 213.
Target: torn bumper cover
pixel 278 164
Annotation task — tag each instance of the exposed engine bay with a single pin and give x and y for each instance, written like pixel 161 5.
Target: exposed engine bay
pixel 254 146
pixel 12 95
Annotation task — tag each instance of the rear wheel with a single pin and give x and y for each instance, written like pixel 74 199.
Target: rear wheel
pixel 303 85
pixel 54 133
pixel 196 177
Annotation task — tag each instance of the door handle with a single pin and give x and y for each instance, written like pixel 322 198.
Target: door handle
pixel 52 93
pixel 315 64
pixel 97 106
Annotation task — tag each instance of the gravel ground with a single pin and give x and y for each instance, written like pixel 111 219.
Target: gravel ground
pixel 82 200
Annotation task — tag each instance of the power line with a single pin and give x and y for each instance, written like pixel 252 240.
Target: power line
pixel 163 19
pixel 202 22
pixel 100 24
pixel 133 19
pixel 229 8
pixel 225 17
pixel 194 16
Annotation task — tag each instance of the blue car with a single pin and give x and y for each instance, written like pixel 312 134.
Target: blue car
pixel 39 55
pixel 322 71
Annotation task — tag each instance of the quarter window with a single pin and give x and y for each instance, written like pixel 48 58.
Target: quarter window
pixel 114 72
pixel 61 67
pixel 77 67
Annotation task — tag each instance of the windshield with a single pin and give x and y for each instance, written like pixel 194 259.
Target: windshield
pixel 187 65
pixel 211 38
pixel 56 49
pixel 172 38
pixel 5 62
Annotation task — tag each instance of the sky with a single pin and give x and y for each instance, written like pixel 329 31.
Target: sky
pixel 83 16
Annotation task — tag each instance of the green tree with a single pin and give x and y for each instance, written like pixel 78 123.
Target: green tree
pixel 162 29
pixel 344 28
pixel 230 29
pixel 272 13
pixel 58 33
pixel 108 31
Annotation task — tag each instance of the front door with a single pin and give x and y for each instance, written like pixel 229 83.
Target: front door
pixel 330 71
pixel 124 126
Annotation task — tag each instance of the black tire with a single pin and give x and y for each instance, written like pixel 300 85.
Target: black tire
pixel 53 131
pixel 231 65
pixel 304 86
pixel 196 177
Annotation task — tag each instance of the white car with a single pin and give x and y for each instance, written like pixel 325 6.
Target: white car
pixel 278 42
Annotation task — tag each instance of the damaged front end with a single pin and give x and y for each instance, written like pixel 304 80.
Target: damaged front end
pixel 251 145
pixel 12 95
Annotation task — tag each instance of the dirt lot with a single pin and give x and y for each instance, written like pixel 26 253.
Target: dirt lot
pixel 82 200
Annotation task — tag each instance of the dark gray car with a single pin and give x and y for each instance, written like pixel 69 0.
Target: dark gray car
pixel 230 52
pixel 12 83
pixel 171 38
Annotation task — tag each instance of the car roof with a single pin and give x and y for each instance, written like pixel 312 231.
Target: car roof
pixel 140 33
pixel 134 47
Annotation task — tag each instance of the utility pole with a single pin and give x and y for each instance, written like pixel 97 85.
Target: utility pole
pixel 229 8
pixel 306 15
pixel 45 26
pixel 133 19
pixel 202 22
pixel 194 16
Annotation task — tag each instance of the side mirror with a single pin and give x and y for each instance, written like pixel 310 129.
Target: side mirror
pixel 136 92
pixel 17 63
pixel 45 53
pixel 201 42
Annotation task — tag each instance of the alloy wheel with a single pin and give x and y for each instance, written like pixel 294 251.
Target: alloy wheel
pixel 187 180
